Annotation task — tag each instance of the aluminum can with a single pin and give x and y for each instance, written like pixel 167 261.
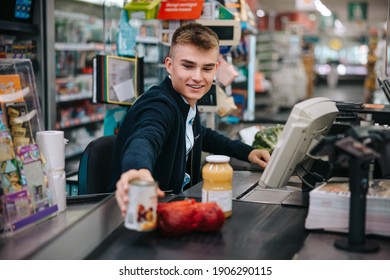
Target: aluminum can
pixel 142 209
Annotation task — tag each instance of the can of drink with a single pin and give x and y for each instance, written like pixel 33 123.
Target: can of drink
pixel 142 209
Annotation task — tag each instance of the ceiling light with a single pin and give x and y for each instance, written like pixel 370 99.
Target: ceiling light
pixel 339 27
pixel 96 2
pixel 312 17
pixel 101 2
pixel 322 8
pixel 260 13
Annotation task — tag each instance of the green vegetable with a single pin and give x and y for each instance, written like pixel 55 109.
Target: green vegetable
pixel 267 138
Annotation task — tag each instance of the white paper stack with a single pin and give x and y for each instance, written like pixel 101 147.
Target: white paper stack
pixel 52 146
pixel 329 208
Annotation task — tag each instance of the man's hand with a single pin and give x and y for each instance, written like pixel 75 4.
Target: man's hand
pixel 122 186
pixel 259 157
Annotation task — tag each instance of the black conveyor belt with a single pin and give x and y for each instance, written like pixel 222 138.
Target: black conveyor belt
pixel 254 231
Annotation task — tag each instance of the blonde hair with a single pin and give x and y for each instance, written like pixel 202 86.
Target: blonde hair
pixel 194 34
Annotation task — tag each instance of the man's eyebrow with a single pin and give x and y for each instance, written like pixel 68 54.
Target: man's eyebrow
pixel 188 61
pixel 193 62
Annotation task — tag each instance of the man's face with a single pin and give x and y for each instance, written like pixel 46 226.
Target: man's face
pixel 192 71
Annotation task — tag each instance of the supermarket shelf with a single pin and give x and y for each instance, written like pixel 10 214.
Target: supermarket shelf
pixel 19 27
pixel 80 121
pixel 147 40
pixel 73 97
pixel 74 152
pixel 151 80
pixel 79 46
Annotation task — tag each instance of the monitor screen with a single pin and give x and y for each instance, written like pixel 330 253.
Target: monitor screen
pixel 223 32
pixel 210 98
pixel 384 83
pixel 308 121
pixel 208 103
pixel 228 31
pixel 387 51
pixel 17 10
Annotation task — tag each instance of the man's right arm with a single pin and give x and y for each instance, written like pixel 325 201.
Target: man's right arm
pixel 122 186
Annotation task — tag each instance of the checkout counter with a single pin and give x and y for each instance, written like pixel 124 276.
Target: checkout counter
pixel 94 230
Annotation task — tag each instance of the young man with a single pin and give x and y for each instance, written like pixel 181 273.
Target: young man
pixel 161 137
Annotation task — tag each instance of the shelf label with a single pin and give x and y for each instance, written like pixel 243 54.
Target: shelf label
pixel 183 10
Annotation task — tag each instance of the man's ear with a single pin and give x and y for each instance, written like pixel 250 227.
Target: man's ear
pixel 220 58
pixel 168 65
pixel 217 65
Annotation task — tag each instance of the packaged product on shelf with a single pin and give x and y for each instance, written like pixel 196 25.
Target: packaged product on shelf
pixel 19 122
pixel 142 9
pixel 32 174
pixel 6 146
pixel 126 37
pixel 25 194
pixel 10 87
pixel 10 177
pixel 10 180
pixel 3 126
pixel 17 206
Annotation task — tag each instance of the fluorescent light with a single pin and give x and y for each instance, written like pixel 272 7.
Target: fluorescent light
pixel 260 13
pixel 312 17
pixel 322 8
pixel 339 27
pixel 96 2
pixel 100 2
pixel 341 69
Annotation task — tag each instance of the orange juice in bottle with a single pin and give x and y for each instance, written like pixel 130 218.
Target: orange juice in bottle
pixel 217 182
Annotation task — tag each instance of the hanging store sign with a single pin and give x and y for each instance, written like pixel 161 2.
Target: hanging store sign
pixel 357 11
pixel 180 10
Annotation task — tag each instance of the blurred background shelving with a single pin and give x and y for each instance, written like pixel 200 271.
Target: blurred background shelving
pixel 63 36
pixel 26 37
pixel 78 32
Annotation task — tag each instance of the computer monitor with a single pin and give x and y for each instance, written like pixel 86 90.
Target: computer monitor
pixel 387 51
pixel 228 31
pixel 308 121
pixel 17 10
pixel 384 84
pixel 208 103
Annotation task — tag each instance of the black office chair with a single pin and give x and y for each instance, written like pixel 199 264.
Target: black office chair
pixel 384 162
pixel 94 174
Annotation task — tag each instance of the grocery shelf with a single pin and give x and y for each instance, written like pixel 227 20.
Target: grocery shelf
pixel 19 27
pixel 76 122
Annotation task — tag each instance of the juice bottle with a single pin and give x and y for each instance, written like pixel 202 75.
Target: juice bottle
pixel 217 182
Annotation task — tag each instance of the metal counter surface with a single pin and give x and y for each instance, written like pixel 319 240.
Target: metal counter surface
pixel 319 245
pixel 71 234
pixel 242 181
pixel 24 243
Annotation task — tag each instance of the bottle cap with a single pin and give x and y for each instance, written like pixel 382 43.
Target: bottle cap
pixel 217 158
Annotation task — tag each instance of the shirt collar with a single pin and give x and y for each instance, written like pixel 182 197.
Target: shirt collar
pixel 191 112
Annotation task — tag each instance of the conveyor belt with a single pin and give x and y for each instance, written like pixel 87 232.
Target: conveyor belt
pixel 254 231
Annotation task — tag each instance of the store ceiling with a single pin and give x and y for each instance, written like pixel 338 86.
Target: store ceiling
pixel 376 12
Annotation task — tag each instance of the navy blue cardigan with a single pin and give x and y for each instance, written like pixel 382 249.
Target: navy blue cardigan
pixel 152 136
